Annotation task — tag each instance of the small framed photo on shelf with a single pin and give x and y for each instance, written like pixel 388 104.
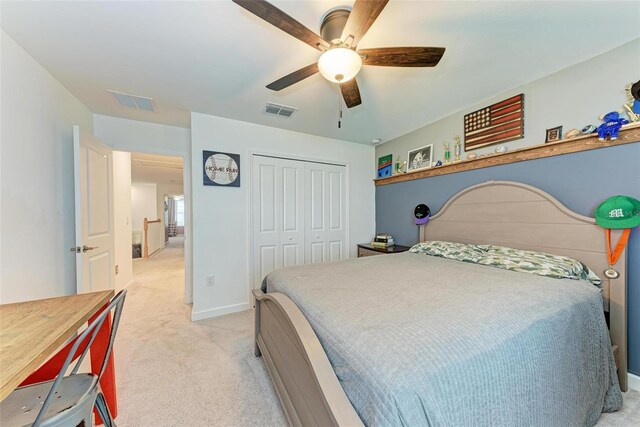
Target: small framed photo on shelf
pixel 420 158
pixel 554 134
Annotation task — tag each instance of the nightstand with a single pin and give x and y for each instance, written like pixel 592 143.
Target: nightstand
pixel 365 249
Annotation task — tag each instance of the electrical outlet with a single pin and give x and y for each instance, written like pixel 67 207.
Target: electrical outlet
pixel 117 269
pixel 210 280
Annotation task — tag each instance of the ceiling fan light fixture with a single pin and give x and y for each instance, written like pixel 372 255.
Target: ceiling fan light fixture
pixel 339 64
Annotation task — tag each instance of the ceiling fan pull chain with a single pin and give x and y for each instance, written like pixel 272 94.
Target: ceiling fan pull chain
pixel 348 42
pixel 339 111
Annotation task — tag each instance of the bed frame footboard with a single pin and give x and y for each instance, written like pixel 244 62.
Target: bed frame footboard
pixel 307 386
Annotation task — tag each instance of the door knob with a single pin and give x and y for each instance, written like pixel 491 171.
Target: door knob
pixel 290 238
pixel 317 236
pixel 86 248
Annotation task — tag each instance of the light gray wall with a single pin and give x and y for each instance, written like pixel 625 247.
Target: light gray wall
pixel 142 137
pixel 222 243
pixel 122 218
pixel 37 225
pixel 573 97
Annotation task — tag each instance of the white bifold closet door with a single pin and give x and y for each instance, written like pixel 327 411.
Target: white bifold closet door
pixel 298 214
pixel 325 213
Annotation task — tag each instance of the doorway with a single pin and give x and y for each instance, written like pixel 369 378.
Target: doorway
pixel 152 229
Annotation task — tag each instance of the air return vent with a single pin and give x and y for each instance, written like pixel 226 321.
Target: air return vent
pixel 132 101
pixel 279 110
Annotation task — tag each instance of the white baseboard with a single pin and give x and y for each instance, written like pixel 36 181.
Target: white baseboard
pixel 633 381
pixel 220 311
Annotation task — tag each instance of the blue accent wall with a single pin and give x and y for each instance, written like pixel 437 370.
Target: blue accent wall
pixel 581 181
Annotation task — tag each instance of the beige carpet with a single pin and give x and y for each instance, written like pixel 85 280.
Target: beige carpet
pixel 172 372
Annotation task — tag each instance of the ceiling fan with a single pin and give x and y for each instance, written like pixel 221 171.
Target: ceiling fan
pixel 340 32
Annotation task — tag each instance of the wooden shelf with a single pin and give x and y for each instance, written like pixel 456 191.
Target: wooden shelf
pixel 629 134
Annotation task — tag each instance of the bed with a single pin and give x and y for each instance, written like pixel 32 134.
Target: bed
pixel 379 344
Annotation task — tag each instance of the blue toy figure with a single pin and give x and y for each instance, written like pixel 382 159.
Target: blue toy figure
pixel 612 124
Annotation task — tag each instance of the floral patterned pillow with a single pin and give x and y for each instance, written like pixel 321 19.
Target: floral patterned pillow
pixel 466 252
pixel 532 262
pixel 540 263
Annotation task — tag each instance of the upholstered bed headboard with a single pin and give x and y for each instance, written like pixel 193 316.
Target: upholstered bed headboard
pixel 521 216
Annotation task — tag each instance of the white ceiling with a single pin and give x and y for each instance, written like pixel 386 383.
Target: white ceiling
pixel 214 57
pixel 152 168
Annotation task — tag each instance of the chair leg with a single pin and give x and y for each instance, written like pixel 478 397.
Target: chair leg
pixel 103 410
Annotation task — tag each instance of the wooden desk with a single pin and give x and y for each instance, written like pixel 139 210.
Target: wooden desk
pixel 32 331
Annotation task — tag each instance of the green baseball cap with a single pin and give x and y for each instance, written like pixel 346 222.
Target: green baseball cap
pixel 618 212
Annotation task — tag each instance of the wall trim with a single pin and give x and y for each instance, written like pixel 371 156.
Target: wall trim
pixel 633 381
pixel 219 311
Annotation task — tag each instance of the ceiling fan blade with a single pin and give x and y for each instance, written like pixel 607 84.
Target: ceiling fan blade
pixel 294 77
pixel 351 93
pixel 402 56
pixel 363 15
pixel 274 16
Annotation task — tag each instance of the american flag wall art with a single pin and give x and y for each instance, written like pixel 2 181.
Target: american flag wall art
pixel 500 122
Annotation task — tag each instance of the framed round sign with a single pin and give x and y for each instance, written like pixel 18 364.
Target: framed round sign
pixel 222 169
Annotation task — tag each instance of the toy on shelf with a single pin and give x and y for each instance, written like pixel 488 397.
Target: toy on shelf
pixel 457 149
pixel 588 129
pixel 572 134
pixel 633 104
pixel 400 164
pixel 611 126
pixel 447 153
pixel 501 149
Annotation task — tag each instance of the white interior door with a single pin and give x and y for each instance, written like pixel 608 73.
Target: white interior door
pixel 325 202
pixel 278 215
pixel 94 250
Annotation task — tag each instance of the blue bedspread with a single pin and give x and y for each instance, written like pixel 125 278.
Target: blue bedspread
pixel 418 340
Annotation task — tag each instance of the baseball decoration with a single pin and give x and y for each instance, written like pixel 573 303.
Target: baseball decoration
pixel 221 169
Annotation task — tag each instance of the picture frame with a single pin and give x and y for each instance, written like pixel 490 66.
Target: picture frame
pixel 220 169
pixel 385 167
pixel 420 158
pixel 554 134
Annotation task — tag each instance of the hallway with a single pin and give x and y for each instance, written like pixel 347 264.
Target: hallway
pixel 172 372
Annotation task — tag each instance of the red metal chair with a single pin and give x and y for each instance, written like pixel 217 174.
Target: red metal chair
pixel 68 400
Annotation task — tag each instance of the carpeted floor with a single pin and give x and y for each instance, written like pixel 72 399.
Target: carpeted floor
pixel 172 372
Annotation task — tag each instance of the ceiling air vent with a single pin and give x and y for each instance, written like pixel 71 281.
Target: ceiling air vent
pixel 133 101
pixel 279 110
